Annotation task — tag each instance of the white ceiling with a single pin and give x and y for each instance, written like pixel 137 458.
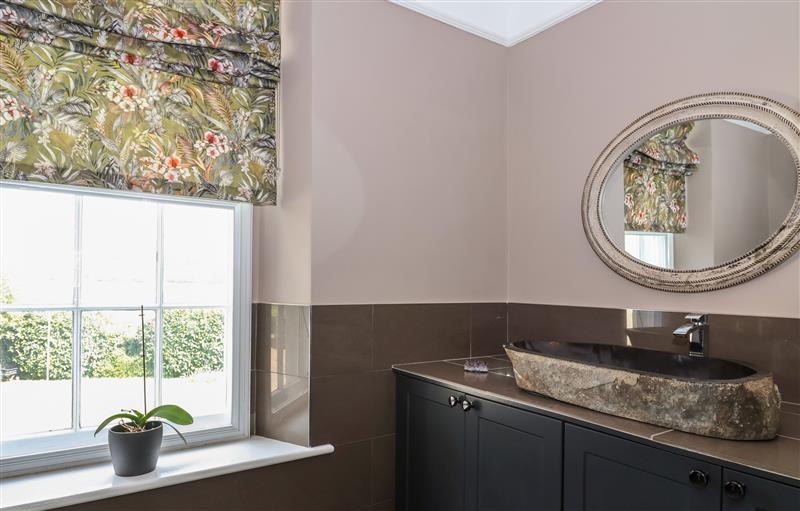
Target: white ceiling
pixel 506 22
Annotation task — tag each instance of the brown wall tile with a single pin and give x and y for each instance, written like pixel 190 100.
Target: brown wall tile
pixel 341 408
pixel 351 407
pixel 383 469
pixel 289 340
pixel 281 346
pixel 282 407
pixel 770 344
pixel 383 389
pixel 488 328
pixel 253 400
pixel 341 339
pixel 555 322
pixel 281 339
pixel 261 336
pixel 653 330
pixel 419 332
pixel 253 335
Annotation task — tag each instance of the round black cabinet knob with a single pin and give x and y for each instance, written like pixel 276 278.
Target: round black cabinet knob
pixel 734 489
pixel 698 478
pixel 452 400
pixel 466 405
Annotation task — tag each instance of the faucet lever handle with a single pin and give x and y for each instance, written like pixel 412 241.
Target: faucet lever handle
pixel 697 319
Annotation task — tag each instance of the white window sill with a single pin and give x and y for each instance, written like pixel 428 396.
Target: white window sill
pixel 75 485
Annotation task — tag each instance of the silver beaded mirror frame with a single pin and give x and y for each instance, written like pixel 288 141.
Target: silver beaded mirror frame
pixel 781 120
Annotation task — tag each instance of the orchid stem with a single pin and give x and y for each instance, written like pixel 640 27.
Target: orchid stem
pixel 144 364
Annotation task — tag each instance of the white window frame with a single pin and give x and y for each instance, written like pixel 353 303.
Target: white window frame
pixel 669 244
pixel 78 446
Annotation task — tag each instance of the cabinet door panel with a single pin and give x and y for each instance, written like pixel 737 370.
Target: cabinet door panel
pixel 430 448
pixel 759 494
pixel 513 459
pixel 605 473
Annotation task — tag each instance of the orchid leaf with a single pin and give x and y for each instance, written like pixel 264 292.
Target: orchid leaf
pixel 138 414
pixel 172 413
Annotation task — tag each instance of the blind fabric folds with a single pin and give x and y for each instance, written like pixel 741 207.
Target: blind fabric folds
pixel 655 182
pixel 169 97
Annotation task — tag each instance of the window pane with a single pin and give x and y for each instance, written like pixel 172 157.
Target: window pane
pixel 36 361
pixel 194 361
pixel 198 255
pixel 37 247
pixel 118 252
pixel 632 245
pixel 651 248
pixel 111 364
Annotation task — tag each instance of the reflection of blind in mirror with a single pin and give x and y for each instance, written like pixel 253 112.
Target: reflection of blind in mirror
pixel 654 248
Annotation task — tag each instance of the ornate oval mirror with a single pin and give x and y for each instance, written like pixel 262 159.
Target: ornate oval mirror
pixel 699 194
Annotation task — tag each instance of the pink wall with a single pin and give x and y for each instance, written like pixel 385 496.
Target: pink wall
pixel 572 88
pixel 424 164
pixel 282 234
pixel 409 158
pixel 401 121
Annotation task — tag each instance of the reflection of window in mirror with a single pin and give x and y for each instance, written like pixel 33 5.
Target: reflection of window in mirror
pixel 656 248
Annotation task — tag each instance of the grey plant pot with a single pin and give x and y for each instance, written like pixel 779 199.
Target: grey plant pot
pixel 134 454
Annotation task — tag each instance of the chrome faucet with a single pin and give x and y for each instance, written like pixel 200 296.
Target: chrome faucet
pixel 696 332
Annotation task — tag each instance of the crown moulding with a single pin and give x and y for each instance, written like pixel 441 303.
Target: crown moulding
pixel 502 22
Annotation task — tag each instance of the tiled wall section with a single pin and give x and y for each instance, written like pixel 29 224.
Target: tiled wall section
pixel 322 374
pixel 352 386
pixel 346 395
pixel 280 372
pixel 349 389
pixel 768 344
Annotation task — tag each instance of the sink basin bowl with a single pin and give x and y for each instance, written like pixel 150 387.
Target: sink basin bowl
pixel 701 395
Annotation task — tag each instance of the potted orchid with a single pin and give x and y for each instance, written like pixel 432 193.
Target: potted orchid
pixel 135 440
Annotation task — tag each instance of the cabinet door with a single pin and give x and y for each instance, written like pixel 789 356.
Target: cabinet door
pixel 513 459
pixel 605 473
pixel 743 492
pixel 430 448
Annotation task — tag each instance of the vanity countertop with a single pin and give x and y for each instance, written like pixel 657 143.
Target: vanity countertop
pixel 778 457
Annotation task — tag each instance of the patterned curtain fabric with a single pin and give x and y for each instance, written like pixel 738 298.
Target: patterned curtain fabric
pixel 655 182
pixel 170 97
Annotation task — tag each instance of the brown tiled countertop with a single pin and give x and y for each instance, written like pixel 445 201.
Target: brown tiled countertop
pixel 778 459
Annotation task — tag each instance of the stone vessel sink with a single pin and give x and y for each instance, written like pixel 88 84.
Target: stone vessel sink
pixel 706 396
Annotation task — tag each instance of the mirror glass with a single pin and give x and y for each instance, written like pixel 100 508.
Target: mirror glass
pixel 699 194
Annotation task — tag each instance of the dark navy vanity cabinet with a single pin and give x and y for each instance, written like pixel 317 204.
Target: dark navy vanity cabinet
pixel 500 437
pixel 432 446
pixel 456 451
pixel 745 492
pixel 603 472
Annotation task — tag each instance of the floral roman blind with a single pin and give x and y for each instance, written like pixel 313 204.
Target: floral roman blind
pixel 655 181
pixel 169 97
